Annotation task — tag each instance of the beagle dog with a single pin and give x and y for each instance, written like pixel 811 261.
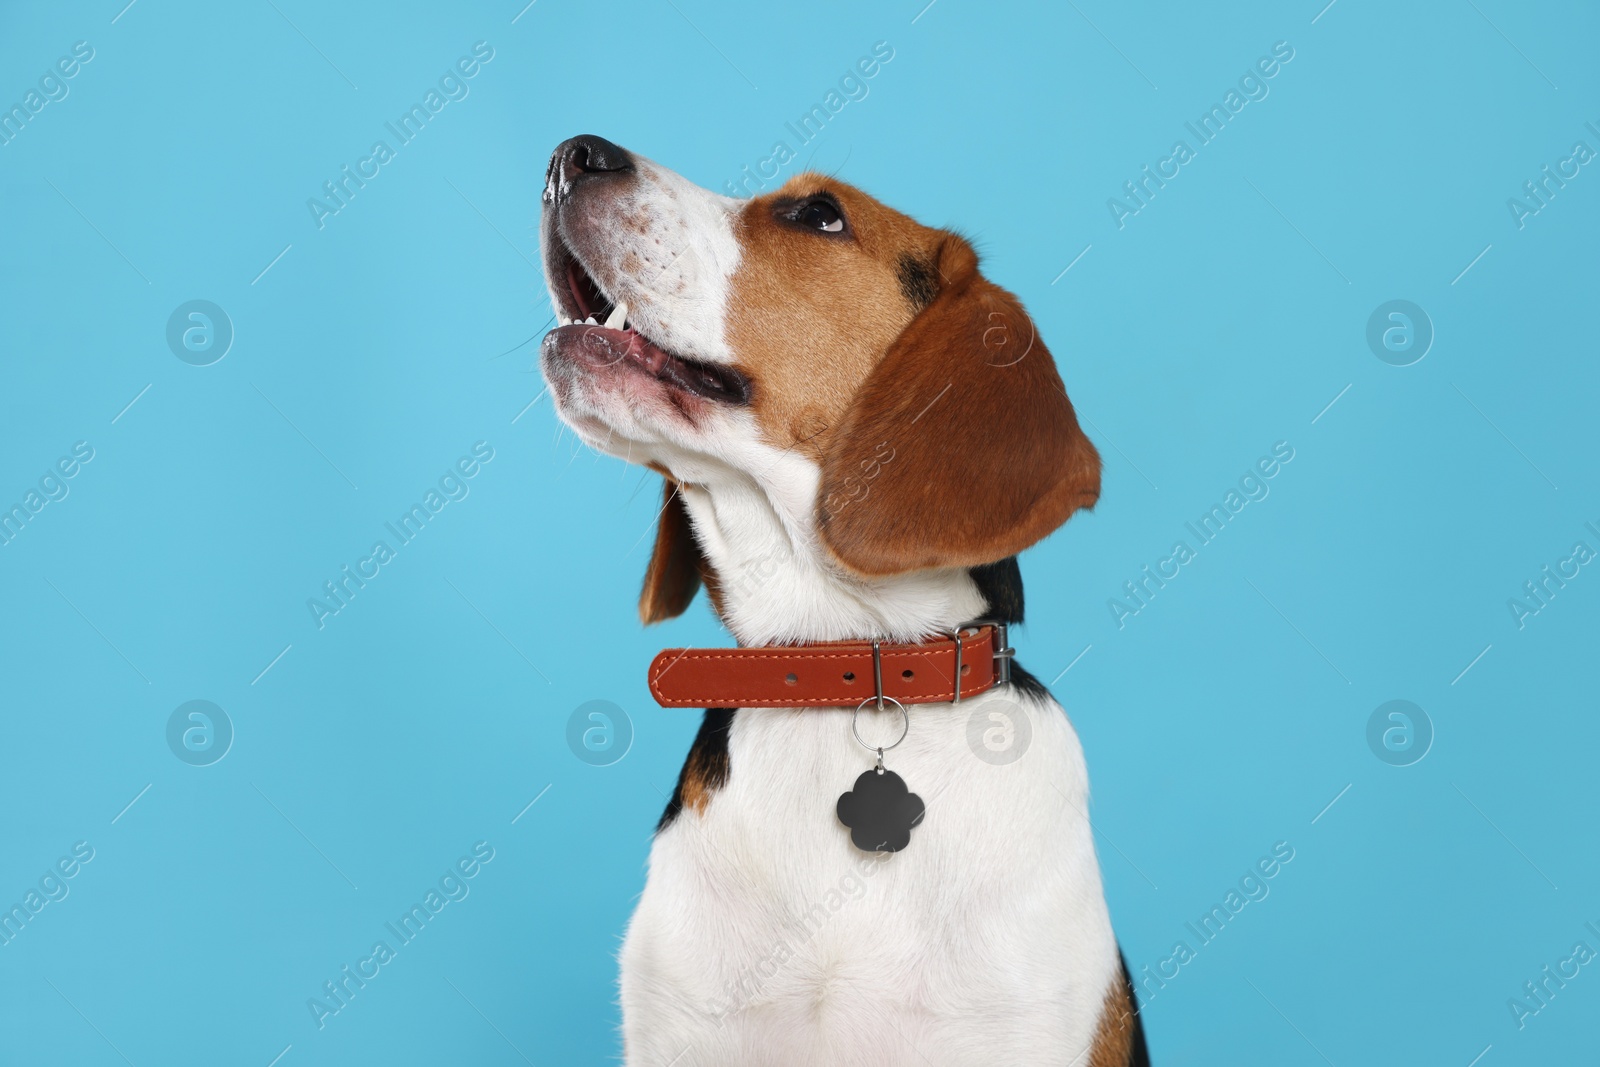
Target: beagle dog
pixel 858 432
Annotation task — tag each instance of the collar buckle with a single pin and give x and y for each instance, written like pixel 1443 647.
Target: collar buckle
pixel 1003 652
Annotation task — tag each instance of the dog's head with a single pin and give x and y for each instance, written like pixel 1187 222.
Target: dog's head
pixel 897 409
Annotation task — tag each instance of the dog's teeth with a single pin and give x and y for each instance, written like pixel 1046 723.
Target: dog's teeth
pixel 590 321
pixel 618 318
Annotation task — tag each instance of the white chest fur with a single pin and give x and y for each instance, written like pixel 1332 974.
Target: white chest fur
pixel 764 937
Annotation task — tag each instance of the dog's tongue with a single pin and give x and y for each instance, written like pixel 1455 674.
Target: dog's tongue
pixel 647 354
pixel 610 346
pixel 616 345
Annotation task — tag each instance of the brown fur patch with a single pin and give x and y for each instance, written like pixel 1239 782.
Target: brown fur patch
pixel 703 774
pixel 707 768
pixel 1113 1041
pixel 961 447
pixel 811 314
pixel 673 576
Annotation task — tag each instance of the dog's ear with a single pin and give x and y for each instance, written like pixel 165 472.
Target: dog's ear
pixel 961 448
pixel 673 576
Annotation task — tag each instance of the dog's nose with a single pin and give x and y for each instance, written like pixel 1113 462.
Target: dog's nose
pixel 585 154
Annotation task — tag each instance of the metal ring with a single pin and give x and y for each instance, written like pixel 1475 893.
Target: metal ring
pixel 880 749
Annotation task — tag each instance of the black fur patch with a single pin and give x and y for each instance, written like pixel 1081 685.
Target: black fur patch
pixel 1001 585
pixel 917 281
pixel 1024 682
pixel 1138 1051
pixel 707 759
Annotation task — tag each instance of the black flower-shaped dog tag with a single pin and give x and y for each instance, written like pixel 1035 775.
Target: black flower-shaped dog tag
pixel 880 811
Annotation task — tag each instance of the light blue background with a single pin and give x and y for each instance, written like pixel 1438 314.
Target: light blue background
pixel 426 716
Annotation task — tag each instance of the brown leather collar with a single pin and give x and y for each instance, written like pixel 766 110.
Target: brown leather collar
pixel 833 674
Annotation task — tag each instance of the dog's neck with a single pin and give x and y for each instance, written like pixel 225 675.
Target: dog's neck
pixel 775 583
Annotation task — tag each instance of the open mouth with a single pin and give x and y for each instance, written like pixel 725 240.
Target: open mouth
pixel 592 319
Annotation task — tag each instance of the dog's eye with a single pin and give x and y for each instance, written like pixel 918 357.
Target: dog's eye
pixel 819 215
